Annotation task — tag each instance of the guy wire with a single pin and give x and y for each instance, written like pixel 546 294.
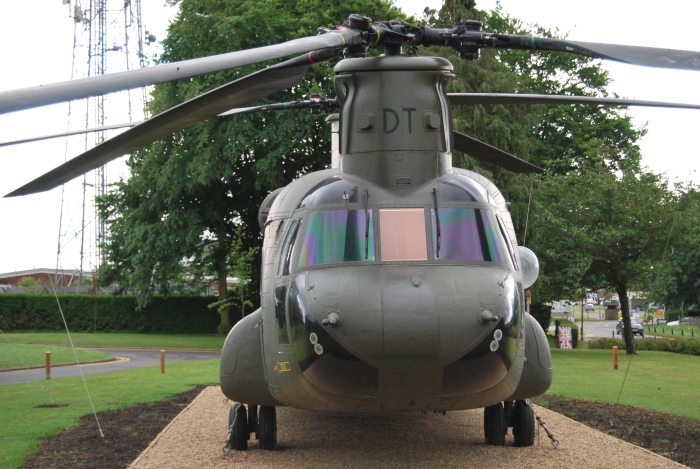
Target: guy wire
pixel 53 287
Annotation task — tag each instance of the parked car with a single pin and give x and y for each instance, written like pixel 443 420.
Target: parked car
pixel 679 322
pixel 637 327
pixel 590 307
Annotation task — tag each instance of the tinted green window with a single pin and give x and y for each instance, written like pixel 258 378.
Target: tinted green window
pixel 466 234
pixel 337 236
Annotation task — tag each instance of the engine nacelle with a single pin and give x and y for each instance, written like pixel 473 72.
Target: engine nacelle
pixel 242 376
pixel 537 372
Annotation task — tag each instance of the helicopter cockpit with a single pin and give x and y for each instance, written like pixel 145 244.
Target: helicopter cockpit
pixel 340 228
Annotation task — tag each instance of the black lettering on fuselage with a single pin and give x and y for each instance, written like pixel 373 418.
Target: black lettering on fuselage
pixel 396 117
pixel 409 110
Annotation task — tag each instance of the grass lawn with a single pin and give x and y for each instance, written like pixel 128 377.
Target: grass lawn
pixel 662 330
pixel 104 339
pixel 661 381
pixel 35 355
pixel 24 425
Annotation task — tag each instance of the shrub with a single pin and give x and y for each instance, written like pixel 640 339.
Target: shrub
pixel 542 314
pixel 107 313
pixel 672 315
pixel 685 346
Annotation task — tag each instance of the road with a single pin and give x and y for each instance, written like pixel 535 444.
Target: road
pixel 128 358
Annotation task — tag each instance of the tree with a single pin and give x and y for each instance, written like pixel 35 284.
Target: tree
pixel 599 230
pixel 177 216
pixel 27 282
pixel 679 276
pixel 558 138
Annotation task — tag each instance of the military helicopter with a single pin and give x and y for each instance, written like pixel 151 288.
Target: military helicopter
pixel 391 281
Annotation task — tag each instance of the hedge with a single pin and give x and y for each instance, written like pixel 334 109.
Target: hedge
pixel 686 346
pixel 108 313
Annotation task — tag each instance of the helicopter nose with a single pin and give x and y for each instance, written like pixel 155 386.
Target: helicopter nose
pixel 424 314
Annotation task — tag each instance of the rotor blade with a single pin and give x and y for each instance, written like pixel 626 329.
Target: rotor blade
pixel 288 106
pixel 27 98
pixel 486 153
pixel 515 98
pixel 68 134
pixel 250 88
pixel 635 55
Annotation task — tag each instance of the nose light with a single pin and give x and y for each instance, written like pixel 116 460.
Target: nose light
pixel 332 320
pixel 487 316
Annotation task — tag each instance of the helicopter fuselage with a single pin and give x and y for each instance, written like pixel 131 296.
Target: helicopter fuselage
pixel 391 281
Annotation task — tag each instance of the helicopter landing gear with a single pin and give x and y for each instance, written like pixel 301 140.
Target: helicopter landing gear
pixel 267 428
pixel 523 424
pixel 253 420
pixel 495 426
pixel 238 427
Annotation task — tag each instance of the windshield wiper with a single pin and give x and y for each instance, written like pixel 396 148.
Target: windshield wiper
pixel 437 221
pixel 366 224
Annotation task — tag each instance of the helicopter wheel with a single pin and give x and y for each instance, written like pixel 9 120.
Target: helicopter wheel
pixel 238 425
pixel 495 426
pixel 523 424
pixel 253 421
pixel 267 428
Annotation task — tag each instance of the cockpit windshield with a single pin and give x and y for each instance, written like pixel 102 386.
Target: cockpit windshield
pixel 467 234
pixel 338 236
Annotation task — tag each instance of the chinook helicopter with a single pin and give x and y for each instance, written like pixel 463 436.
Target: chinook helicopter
pixel 391 281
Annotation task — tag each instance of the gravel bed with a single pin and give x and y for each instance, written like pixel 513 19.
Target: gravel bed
pixel 308 439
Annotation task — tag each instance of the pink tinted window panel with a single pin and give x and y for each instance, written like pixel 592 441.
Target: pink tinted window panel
pixel 403 234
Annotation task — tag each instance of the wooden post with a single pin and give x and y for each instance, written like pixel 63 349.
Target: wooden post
pixel 48 365
pixel 162 361
pixel 615 357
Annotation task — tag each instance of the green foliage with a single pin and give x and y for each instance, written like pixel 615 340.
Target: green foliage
pixel 684 346
pixel 27 282
pixel 542 314
pixel 670 315
pixel 174 315
pixel 679 278
pixel 176 219
pixel 608 233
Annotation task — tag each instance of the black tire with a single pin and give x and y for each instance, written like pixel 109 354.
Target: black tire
pixel 267 428
pixel 523 424
pixel 253 420
pixel 495 426
pixel 238 416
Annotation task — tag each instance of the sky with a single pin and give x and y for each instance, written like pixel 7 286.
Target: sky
pixel 36 45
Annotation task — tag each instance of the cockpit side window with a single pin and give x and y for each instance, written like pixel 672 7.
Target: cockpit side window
pixel 337 236
pixel 286 252
pixel 332 191
pixel 467 234
pixel 509 243
pixel 464 189
pixel 402 233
